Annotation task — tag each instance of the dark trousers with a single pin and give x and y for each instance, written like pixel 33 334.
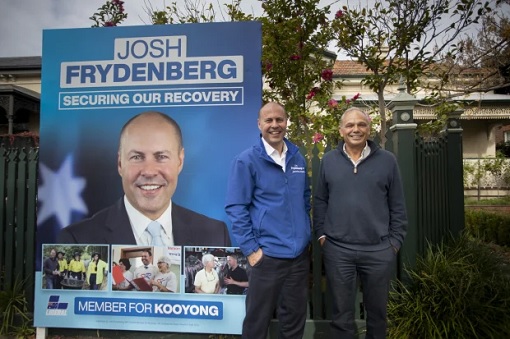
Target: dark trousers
pixel 58 281
pixel 375 270
pixel 280 284
pixel 92 281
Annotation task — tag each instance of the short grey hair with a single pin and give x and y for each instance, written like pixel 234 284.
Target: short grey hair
pixel 166 260
pixel 206 258
pixel 354 109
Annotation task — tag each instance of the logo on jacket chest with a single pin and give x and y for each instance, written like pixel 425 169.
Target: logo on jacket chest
pixel 297 169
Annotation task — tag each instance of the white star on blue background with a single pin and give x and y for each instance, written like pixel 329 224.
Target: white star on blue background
pixel 60 193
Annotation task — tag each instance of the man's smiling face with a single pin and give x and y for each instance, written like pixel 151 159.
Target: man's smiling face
pixel 146 258
pixel 355 129
pixel 273 125
pixel 149 161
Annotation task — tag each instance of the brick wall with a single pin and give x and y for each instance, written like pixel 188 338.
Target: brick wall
pixel 500 131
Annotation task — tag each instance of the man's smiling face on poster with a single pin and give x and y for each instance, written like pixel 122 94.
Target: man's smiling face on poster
pixel 149 161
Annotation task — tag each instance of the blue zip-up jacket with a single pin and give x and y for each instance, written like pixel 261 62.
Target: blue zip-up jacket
pixel 269 208
pixel 362 209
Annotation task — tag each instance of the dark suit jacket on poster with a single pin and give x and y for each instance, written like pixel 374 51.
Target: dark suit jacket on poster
pixel 112 226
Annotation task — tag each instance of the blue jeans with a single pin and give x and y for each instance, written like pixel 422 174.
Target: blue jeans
pixel 50 281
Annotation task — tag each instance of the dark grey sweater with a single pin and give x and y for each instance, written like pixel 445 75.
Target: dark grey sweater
pixel 362 209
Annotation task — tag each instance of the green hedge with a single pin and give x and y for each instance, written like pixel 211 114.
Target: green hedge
pixel 488 226
pixel 458 290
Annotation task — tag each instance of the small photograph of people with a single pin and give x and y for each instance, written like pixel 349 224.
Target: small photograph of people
pixel 215 270
pixel 75 267
pixel 146 268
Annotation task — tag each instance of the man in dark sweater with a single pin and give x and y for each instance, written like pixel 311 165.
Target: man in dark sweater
pixel 360 220
pixel 50 269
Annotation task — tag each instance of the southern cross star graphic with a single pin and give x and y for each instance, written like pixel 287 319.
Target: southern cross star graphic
pixel 60 193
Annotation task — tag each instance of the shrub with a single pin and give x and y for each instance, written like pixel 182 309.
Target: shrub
pixel 460 290
pixel 488 226
pixel 499 201
pixel 13 307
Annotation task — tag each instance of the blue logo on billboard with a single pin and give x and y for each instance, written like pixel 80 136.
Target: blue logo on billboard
pixel 55 307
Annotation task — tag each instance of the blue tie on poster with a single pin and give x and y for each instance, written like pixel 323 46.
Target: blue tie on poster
pixel 204 78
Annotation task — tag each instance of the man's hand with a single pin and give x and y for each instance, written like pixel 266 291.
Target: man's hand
pixel 255 257
pixel 322 240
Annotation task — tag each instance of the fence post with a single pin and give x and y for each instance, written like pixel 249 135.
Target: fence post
pixel 30 255
pixel 403 138
pixel 455 183
pixel 3 210
pixel 317 286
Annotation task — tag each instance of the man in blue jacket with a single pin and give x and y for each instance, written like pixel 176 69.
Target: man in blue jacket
pixel 360 220
pixel 268 203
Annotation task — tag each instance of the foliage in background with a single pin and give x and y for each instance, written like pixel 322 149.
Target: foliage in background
pixel 297 69
pixel 500 201
pixel 497 166
pixel 489 49
pixel 442 110
pixel 458 290
pixel 488 226
pixel 407 38
pixel 14 311
pixel 110 14
pixel 503 148
pixel 190 12
pixel 393 39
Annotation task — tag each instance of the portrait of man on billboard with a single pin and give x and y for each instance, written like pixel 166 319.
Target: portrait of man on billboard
pixel 150 159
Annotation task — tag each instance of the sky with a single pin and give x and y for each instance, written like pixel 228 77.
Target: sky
pixel 22 21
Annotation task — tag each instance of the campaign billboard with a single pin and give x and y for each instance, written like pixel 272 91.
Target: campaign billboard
pixel 207 79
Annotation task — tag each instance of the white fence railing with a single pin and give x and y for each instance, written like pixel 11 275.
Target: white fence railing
pixel 486 177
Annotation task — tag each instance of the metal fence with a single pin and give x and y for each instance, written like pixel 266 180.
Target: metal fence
pixel 18 187
pixel 486 178
pixel 432 192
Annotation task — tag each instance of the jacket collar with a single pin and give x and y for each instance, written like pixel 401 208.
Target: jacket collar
pixel 291 148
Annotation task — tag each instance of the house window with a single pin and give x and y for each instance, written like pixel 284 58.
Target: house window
pixel 4 123
pixel 21 119
pixel 507 137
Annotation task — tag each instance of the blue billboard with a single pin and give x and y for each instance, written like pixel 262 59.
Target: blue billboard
pixel 207 78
